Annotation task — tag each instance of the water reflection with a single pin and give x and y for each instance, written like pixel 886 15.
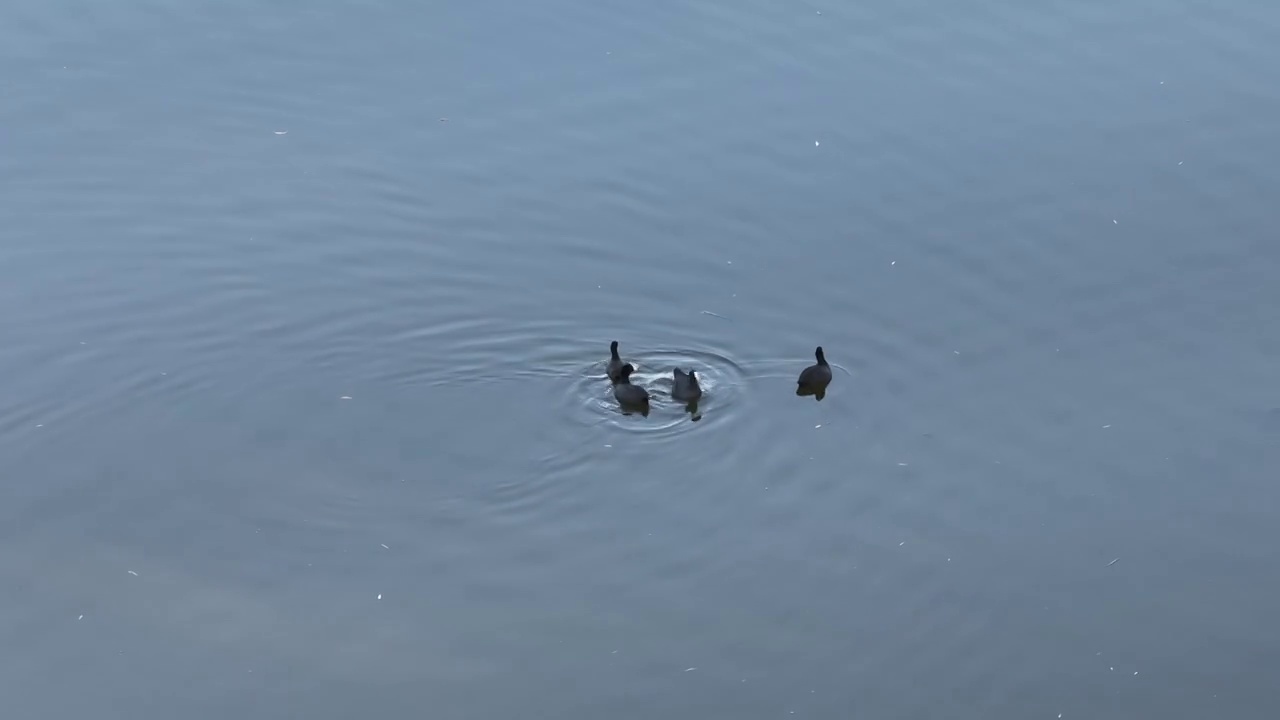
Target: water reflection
pixel 818 392
pixel 692 408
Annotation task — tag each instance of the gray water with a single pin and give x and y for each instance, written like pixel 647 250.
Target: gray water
pixel 304 310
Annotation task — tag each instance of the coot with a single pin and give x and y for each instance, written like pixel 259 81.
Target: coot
pixel 614 369
pixel 685 388
pixel 815 378
pixel 629 395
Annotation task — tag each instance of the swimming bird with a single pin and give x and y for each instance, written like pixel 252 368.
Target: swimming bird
pixel 614 369
pixel 815 378
pixel 628 395
pixel 685 387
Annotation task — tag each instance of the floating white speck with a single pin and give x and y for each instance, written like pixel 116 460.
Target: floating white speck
pixel 379 596
pixel 615 652
pixel 345 397
pixel 1115 222
pixel 1113 669
pixel 1135 672
pixel 815 427
pixel 1113 562
pixel 133 573
pixel 40 425
pixel 282 132
pixel 904 542
pixel 690 669
pixel 948 559
pixel 80 618
pixel 608 446
pixel 902 464
pixel 1104 427
pixel 384 545
pixel 893 262
pixel 956 352
pixel 1161 82
pixel 816 143
pixel 1179 162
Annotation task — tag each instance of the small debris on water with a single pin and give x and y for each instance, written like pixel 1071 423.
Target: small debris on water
pixel 1179 162
pixel 902 464
pixel 133 573
pixel 893 262
pixel 40 425
pixel 384 545
pixel 1135 672
pixel 815 427
pixel 444 119
pixel 956 352
pixel 708 312
pixel 80 618
pixel 345 397
pixel 379 596
pixel 608 446
pixel 690 669
pixel 816 143
pixel 904 542
pixel 1113 562
pixel 1104 427
pixel 1115 222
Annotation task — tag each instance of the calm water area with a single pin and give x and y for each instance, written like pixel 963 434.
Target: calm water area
pixel 305 308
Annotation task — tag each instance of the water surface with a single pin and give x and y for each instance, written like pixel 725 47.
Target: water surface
pixel 306 308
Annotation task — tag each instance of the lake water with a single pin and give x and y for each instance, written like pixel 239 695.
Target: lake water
pixel 305 309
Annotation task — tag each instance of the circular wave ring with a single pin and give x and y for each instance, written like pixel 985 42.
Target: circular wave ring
pixel 721 379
